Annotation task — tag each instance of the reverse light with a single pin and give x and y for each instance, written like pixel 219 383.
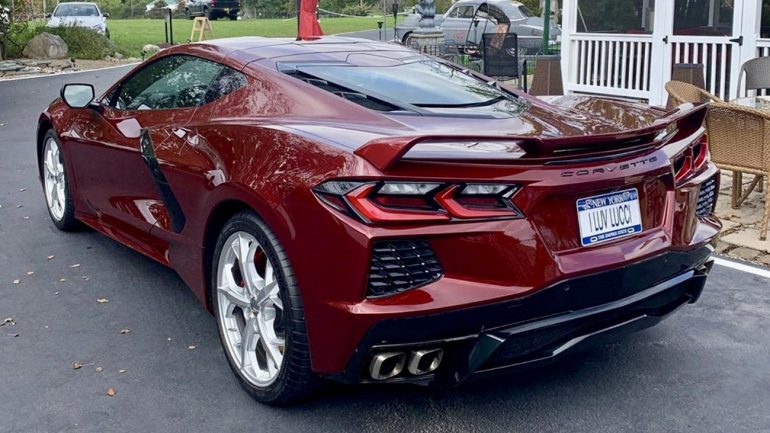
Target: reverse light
pixel 691 160
pixel 406 201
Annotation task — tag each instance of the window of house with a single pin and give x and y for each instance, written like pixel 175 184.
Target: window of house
pixel 615 16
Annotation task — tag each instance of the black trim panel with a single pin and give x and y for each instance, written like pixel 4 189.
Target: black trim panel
pixel 172 204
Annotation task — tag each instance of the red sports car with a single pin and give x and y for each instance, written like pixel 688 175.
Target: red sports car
pixel 358 211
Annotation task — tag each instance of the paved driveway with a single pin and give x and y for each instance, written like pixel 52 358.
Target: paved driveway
pixel 707 369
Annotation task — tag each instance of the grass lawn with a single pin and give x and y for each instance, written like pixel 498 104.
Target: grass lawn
pixel 131 35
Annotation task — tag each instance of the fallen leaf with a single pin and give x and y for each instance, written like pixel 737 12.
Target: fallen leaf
pixel 14 335
pixel 76 365
pixel 51 257
pixel 18 206
pixel 85 278
pixel 76 265
pixel 55 293
pixel 16 281
pixel 122 371
pixel 102 300
pixel 63 280
pixel 191 347
pixel 25 217
pixel 8 320
pixel 22 189
pixel 125 331
pixel 99 369
pixel 169 339
pixel 111 392
pixel 31 273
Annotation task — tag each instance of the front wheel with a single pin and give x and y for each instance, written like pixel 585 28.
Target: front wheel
pixel 56 185
pixel 259 312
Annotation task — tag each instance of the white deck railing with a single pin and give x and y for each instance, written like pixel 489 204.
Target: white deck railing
pixel 613 64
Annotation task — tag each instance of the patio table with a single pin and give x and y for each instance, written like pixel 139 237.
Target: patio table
pixel 755 102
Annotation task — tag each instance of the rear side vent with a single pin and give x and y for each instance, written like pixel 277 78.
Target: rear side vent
pixel 400 265
pixel 707 198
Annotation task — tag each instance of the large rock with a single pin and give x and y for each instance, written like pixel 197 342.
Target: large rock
pixel 46 46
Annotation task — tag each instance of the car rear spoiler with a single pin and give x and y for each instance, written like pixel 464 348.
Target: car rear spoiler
pixel 681 122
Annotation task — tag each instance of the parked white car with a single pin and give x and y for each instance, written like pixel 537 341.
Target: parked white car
pixel 80 14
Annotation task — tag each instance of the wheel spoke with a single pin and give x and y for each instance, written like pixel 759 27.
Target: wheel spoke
pixel 231 291
pixel 267 292
pixel 269 343
pixel 247 343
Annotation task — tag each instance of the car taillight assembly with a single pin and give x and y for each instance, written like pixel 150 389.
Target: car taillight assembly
pixel 384 202
pixel 691 160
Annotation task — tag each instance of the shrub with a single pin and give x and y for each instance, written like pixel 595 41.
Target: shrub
pixel 357 10
pixel 83 43
pixel 16 37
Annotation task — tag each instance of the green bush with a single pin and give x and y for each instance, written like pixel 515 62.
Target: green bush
pixel 357 10
pixel 83 43
pixel 16 38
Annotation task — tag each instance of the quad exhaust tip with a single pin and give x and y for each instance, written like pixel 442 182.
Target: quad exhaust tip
pixel 387 365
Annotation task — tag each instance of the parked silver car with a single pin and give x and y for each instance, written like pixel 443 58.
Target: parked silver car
pixel 459 29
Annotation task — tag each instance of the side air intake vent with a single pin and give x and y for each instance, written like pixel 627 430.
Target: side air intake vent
pixel 401 265
pixel 707 198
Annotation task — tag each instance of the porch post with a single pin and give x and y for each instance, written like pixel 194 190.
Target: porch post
pixel 660 65
pixel 569 57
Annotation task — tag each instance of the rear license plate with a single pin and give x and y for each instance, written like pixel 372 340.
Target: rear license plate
pixel 609 216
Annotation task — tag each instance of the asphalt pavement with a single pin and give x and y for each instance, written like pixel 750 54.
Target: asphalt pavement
pixel 706 369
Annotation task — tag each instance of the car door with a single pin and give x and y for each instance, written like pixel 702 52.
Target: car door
pixel 111 172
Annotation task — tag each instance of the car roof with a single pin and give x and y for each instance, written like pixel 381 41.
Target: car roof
pixel 241 51
pixel 478 2
pixel 78 3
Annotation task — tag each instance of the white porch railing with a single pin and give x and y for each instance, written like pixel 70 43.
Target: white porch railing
pixel 616 64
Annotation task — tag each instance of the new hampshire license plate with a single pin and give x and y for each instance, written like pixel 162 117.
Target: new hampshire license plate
pixel 609 216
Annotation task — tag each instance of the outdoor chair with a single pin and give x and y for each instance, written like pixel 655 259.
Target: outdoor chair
pixel 757 73
pixel 682 93
pixel 739 140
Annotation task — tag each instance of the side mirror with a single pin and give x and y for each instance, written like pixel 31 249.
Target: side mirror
pixel 48 15
pixel 106 15
pixel 77 95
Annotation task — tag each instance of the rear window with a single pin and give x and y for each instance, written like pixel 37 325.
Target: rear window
pixel 426 83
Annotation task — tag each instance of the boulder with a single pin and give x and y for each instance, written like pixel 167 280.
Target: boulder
pixel 46 46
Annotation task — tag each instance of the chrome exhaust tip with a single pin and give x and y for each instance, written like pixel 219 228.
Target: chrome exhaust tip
pixel 424 361
pixel 387 365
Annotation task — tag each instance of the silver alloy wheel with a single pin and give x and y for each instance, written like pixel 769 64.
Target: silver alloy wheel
pixel 250 309
pixel 54 182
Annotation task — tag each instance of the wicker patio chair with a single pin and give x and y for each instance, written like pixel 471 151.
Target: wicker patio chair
pixel 739 140
pixel 682 93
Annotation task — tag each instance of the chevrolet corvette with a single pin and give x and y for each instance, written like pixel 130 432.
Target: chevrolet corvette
pixel 358 211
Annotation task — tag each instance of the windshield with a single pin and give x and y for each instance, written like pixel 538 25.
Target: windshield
pixel 526 13
pixel 73 10
pixel 426 83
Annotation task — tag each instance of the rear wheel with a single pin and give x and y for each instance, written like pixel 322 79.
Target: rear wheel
pixel 208 13
pixel 259 312
pixel 233 17
pixel 187 14
pixel 56 185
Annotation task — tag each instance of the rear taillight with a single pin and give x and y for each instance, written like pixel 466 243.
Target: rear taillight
pixel 691 160
pixel 404 201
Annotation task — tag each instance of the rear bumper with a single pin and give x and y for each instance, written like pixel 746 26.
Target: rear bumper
pixel 537 328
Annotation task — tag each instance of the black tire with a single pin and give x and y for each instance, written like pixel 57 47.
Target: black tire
pixel 208 13
pixel 233 17
pixel 405 39
pixel 107 33
pixel 295 379
pixel 68 222
pixel 187 14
